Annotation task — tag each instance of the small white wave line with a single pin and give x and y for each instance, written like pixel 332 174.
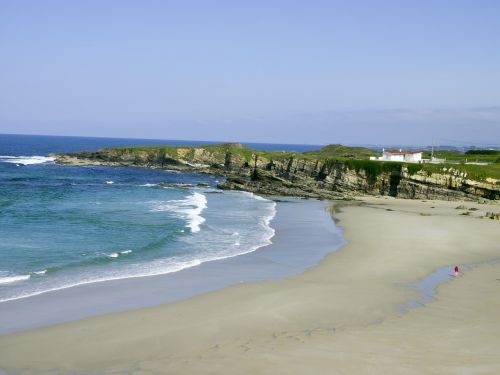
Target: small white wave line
pixel 13 279
pixel 26 160
pixel 254 196
pixel 190 208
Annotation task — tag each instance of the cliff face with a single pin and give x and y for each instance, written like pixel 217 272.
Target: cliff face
pixel 297 174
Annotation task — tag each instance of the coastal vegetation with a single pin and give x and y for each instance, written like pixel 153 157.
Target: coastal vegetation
pixel 338 151
pixel 470 156
pixel 333 171
pixel 471 171
pixel 355 158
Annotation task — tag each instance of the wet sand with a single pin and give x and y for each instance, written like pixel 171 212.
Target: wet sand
pixel 304 235
pixel 343 316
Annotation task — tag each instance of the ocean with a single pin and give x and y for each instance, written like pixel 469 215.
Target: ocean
pixel 62 226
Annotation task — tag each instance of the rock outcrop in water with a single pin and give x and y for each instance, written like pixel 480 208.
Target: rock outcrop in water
pixel 284 173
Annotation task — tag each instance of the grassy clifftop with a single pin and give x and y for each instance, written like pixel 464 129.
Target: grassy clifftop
pixel 470 171
pixel 334 151
pixel 217 150
pixel 480 156
pixel 330 172
pixel 352 157
pixel 338 151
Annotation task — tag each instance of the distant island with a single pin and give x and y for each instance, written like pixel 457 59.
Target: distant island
pixel 332 172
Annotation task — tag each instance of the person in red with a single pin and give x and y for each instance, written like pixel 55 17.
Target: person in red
pixel 456 270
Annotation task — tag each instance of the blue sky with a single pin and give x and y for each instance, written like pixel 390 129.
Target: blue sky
pixel 403 72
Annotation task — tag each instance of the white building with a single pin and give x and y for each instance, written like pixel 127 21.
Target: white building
pixel 399 155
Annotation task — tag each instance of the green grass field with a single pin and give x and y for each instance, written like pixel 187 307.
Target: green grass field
pixel 491 156
pixel 351 157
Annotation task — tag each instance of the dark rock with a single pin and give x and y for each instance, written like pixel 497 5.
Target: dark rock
pixel 293 176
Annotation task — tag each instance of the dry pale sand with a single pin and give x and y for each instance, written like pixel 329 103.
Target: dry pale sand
pixel 341 317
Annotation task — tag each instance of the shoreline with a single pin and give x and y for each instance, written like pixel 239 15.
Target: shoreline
pixel 296 174
pixel 341 316
pixel 194 220
pixel 281 259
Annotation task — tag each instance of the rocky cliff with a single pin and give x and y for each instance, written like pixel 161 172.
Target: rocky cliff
pixel 285 173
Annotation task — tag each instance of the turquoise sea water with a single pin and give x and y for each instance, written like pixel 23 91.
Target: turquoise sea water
pixel 62 226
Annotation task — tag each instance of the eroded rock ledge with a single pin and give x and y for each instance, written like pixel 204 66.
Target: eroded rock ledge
pixel 295 174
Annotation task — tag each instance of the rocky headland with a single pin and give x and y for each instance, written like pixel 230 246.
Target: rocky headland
pixel 301 174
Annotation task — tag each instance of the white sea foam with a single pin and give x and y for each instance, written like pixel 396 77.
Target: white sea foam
pixel 26 160
pixel 190 208
pixel 148 185
pixel 157 268
pixel 110 182
pixel 198 202
pixel 267 219
pixel 117 254
pixel 267 233
pixel 13 279
pixel 40 273
pixel 256 197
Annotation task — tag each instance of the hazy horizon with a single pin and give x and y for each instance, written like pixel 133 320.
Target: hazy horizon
pixel 286 72
pixel 246 142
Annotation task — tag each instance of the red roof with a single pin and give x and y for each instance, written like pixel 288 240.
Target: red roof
pixel 397 152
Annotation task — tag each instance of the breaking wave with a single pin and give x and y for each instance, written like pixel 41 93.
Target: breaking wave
pixel 13 279
pixel 213 243
pixel 190 208
pixel 26 160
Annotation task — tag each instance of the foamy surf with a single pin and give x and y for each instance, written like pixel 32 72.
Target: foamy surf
pixel 236 225
pixel 117 254
pixel 190 208
pixel 155 269
pixel 197 202
pixel 254 196
pixel 26 160
pixel 13 279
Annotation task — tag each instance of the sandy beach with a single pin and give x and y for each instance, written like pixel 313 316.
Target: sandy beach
pixel 344 316
pixel 304 235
